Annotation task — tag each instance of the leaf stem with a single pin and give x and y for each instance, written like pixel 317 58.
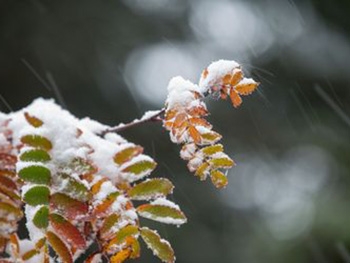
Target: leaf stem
pixel 146 118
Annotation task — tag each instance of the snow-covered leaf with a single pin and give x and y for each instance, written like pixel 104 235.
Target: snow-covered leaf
pixel 218 178
pixel 162 213
pixel 127 154
pixel 150 189
pixel 37 141
pixel 36 155
pixel 160 247
pixel 141 167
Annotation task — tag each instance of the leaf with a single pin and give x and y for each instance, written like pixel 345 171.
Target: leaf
pixel 103 207
pixel 107 225
pixel 68 206
pixel 150 189
pixel 194 133
pixel 37 141
pixel 218 179
pixel 235 98
pixel 8 183
pixel 200 122
pixel 121 236
pixel 93 258
pixel 161 213
pixel 29 254
pixel 246 87
pixel 66 230
pixel 35 174
pixel 35 122
pixel 211 137
pixel 121 256
pixel 36 155
pixel 141 167
pixel 127 154
pixel 210 150
pixel 160 247
pixel 10 212
pixel 74 188
pixel 202 170
pixel 221 162
pixel 41 218
pixel 37 195
pixel 59 247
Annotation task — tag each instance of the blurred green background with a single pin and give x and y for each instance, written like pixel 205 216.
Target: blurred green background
pixel 288 199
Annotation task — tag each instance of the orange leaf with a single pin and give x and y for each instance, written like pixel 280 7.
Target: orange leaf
pixel 106 204
pixel 179 120
pixel 235 98
pixel 246 88
pixel 60 248
pixel 200 122
pixel 121 256
pixel 194 133
pixel 66 230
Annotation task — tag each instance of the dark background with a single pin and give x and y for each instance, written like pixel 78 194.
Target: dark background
pixel 288 199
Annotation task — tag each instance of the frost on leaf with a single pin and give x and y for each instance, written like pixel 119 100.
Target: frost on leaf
pixel 185 113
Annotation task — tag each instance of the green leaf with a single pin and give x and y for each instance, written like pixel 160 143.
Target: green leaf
pixel 41 218
pixel 127 154
pixel 142 167
pixel 37 141
pixel 160 247
pixel 68 206
pixel 162 213
pixel 60 248
pixel 37 195
pixel 150 189
pixel 74 188
pixel 36 155
pixel 34 121
pixel 35 174
pixel 66 230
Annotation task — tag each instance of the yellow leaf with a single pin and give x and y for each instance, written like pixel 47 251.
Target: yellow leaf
pixel 218 178
pixel 35 122
pixel 202 170
pixel 222 162
pixel 210 150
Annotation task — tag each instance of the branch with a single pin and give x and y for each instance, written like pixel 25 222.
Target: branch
pixel 150 116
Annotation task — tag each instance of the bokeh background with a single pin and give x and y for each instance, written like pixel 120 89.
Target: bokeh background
pixel 288 200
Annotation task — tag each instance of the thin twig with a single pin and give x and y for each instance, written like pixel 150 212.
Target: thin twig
pixel 121 127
